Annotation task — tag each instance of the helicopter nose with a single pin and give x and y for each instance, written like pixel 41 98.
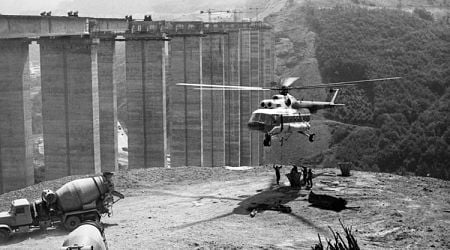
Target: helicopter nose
pixel 254 125
pixel 256 121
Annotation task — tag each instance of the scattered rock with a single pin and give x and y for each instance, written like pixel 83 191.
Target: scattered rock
pixel 396 214
pixel 327 201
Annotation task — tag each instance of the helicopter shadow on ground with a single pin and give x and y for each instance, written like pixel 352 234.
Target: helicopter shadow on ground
pixel 267 199
pixel 271 199
pixel 36 234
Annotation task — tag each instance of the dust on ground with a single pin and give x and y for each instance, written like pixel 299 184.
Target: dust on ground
pixel 204 208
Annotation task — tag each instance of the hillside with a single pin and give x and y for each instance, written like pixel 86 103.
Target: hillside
pixel 357 43
pixel 407 120
pixel 208 208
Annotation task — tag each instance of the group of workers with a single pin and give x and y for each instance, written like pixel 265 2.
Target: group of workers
pixel 306 175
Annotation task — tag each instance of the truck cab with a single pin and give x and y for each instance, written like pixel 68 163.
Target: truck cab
pixel 18 215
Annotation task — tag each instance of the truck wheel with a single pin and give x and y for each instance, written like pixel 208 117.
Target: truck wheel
pixel 92 217
pixel 4 235
pixel 72 222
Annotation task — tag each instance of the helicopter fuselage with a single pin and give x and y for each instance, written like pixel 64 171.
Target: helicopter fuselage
pixel 278 120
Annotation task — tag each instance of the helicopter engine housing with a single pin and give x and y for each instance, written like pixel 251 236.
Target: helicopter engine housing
pixel 268 104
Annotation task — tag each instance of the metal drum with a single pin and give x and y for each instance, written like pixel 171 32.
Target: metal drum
pixel 73 195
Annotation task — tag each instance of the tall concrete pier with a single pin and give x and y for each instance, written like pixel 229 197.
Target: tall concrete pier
pixel 146 74
pixel 213 120
pixel 70 106
pixel 107 103
pixel 232 98
pixel 255 81
pixel 16 154
pixel 245 97
pixel 185 104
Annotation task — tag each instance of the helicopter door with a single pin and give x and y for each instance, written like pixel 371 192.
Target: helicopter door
pixel 277 120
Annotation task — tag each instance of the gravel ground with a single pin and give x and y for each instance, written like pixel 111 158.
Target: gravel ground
pixel 208 208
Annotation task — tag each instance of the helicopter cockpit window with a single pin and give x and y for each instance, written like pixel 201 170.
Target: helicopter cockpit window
pixel 254 117
pixel 259 117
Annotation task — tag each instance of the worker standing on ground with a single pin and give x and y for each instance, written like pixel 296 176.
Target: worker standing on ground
pixel 294 177
pixel 277 172
pixel 294 169
pixel 309 177
pixel 305 174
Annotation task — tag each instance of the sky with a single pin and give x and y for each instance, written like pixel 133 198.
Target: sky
pixel 18 7
pixel 115 8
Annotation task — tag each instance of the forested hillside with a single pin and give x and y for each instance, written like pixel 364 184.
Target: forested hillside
pixel 409 118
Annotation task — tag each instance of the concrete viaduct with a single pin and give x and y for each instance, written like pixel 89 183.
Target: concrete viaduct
pixel 79 99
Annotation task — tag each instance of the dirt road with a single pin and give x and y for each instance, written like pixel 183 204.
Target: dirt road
pixel 195 208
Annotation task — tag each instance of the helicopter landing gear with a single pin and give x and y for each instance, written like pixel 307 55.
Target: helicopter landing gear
pixel 310 136
pixel 267 140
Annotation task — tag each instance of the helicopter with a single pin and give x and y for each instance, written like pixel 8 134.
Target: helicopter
pixel 283 114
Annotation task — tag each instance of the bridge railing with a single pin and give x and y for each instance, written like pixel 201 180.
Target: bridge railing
pixel 15 26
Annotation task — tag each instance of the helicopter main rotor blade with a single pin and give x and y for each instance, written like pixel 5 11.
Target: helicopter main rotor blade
pixel 237 89
pixel 220 87
pixel 343 84
pixel 289 81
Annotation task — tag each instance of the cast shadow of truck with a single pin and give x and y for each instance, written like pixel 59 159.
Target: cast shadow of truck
pixel 35 234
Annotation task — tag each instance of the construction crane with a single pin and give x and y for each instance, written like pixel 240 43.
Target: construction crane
pixel 211 11
pixel 256 9
pixel 235 14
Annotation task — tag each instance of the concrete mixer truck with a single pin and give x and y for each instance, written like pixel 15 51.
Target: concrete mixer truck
pixel 80 200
